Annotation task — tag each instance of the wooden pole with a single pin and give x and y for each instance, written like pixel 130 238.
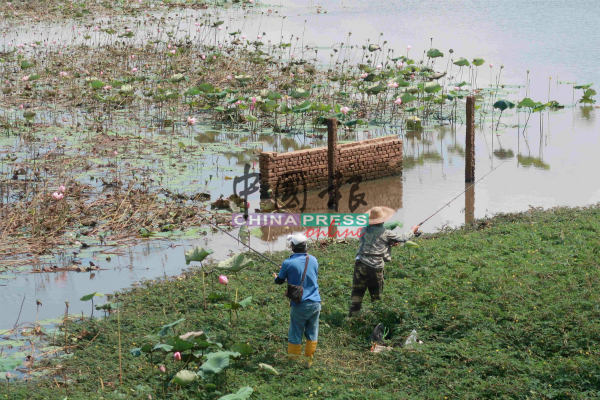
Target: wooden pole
pixel 331 160
pixel 469 203
pixel 470 150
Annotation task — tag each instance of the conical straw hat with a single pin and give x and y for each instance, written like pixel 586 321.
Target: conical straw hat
pixel 377 215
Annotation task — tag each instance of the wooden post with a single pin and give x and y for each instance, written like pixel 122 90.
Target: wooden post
pixel 332 161
pixel 469 203
pixel 470 150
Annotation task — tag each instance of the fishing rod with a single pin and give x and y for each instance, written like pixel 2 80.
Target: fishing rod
pixel 239 241
pixel 448 203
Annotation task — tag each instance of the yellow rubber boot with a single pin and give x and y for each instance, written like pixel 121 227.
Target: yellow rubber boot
pixel 309 351
pixel 294 351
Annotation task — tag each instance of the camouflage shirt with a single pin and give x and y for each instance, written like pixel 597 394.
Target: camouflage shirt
pixel 376 245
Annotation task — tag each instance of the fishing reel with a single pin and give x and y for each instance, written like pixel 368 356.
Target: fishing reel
pixel 418 233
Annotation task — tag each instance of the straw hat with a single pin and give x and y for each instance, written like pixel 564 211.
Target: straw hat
pixel 377 215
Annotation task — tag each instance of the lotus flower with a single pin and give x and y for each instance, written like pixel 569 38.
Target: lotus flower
pixel 191 121
pixel 364 75
pixel 400 65
pixel 379 66
pixel 229 77
pixel 63 74
pixel 457 88
pixel 25 78
pixel 177 356
pixel 398 101
pixel 408 47
pixel 115 153
pixel 243 36
pixel 55 139
pixel 491 65
pixel 223 280
pixel 8 375
pixel 259 37
pixel 107 87
pixel 345 110
pixel 134 69
pixel 254 100
pixel 162 369
pixel 58 196
pixel 62 188
pixel 203 56
pixel 393 85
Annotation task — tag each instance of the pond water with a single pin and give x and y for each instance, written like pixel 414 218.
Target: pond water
pixel 536 167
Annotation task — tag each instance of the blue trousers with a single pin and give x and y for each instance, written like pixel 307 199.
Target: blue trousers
pixel 304 320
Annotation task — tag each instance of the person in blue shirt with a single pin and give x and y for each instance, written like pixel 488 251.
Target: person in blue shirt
pixel 304 317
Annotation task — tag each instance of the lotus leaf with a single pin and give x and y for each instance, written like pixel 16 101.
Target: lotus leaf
pixel 196 254
pixel 235 263
pixel 461 62
pixel 478 62
pixel 242 394
pixel 268 369
pixel 166 328
pixel 503 105
pixel 434 53
pixel 185 378
pixel 243 348
pixel 376 88
pixel 90 296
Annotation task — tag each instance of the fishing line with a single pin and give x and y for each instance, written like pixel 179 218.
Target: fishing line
pixel 448 203
pixel 239 241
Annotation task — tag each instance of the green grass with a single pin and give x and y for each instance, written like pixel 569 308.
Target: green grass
pixel 507 308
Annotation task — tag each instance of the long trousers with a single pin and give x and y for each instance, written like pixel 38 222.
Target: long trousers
pixel 365 278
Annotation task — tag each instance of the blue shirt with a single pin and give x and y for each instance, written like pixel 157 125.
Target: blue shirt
pixel 292 270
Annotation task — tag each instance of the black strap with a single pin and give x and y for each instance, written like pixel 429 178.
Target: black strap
pixel 305 267
pixel 370 254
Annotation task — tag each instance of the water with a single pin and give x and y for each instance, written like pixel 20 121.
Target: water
pixel 556 167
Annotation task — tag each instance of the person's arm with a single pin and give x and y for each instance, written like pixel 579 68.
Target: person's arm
pixel 280 279
pixel 396 238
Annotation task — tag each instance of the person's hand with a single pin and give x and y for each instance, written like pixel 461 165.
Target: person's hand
pixel 274 275
pixel 415 228
pixel 280 266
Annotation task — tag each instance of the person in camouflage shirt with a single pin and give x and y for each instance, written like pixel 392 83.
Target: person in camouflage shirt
pixel 374 251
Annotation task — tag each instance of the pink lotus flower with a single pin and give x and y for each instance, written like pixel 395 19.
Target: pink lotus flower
pixel 379 66
pixel 229 77
pixel 408 47
pixel 58 196
pixel 237 103
pixel 107 87
pixel 259 37
pixel 197 24
pixel 457 88
pixel 203 56
pixel 115 153
pixel 254 100
pixel 412 76
pixel 214 57
pixel 131 57
pixel 162 369
pixel 21 106
pixel 173 51
pixel 62 188
pixel 220 28
pixel 223 280
pixel 364 75
pixel 63 74
pixel 134 69
pixel 55 139
pixel 345 110
pixel 400 65
pixel 398 101
pixel 25 78
pixel 393 85
pixel 191 121
pixel 491 65
pixel 177 356
pixel 243 36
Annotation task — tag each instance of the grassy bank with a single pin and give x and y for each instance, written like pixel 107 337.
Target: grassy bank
pixel 506 307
